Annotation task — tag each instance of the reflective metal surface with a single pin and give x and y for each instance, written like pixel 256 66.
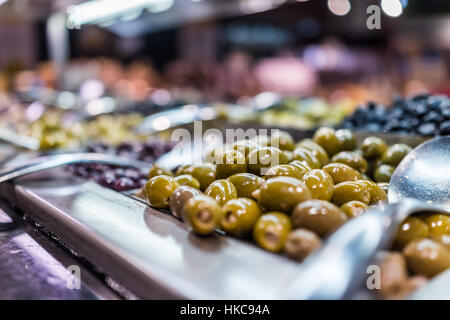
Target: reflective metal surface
pixel 18 140
pixel 424 174
pixel 58 160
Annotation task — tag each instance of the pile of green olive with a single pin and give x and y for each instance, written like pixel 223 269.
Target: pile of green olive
pixel 315 186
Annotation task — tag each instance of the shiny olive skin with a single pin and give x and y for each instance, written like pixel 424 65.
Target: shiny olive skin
pixel 229 163
pixel 353 209
pixel 261 159
pixel 383 173
pixel 316 150
pixel 156 171
pixel 245 146
pixel 284 170
pixel 319 216
pixel 301 166
pixel 349 191
pixel 347 140
pixel 439 224
pixel 300 243
pixel 282 194
pixel 282 140
pixel 426 257
pixel 326 138
pixel 221 190
pixel 384 186
pixel 320 184
pixel 246 183
pixel 262 141
pixel 373 148
pixel 205 173
pixel 351 159
pixel 306 156
pixel 203 214
pixel 340 172
pixel 288 155
pixel 158 190
pixel 411 228
pixel 239 216
pixel 377 194
pixel 271 231
pixel 180 197
pixel 395 153
pixel 187 180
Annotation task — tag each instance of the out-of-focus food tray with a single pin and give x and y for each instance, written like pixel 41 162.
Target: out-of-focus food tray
pixel 151 253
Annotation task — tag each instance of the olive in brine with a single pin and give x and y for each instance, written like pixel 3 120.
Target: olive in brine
pixel 320 184
pixel 410 229
pixel 320 216
pixel 239 216
pixel 426 257
pixel 284 170
pixel 301 243
pixel 373 148
pixel 230 162
pixel 187 180
pixel 158 190
pixel 351 159
pixel 353 208
pixel 282 194
pixel 395 153
pixel 349 191
pixel 180 197
pixel 246 183
pixel 340 172
pixel 271 231
pixel 221 190
pixel 202 213
pixel 383 173
pixel 326 138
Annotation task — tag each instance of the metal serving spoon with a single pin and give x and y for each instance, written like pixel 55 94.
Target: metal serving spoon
pixel 58 160
pixel 420 183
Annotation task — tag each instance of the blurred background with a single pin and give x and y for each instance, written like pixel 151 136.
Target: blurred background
pixel 149 54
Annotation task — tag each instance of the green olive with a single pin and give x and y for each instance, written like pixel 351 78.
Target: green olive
pixel 260 160
pixel 203 214
pixel 326 138
pixel 319 216
pixel 395 153
pixel 180 197
pixel 353 208
pixel 316 150
pixel 347 140
pixel 156 171
pixel 306 156
pixel 245 146
pixel 410 229
pixel 384 186
pixel 205 173
pixel 320 183
pixel 340 172
pixel 288 155
pixel 301 166
pixel 426 257
pixel 230 162
pixel 351 159
pixel 282 140
pixel 383 173
pixel 221 190
pixel 246 183
pixel 187 180
pixel 239 216
pixel 439 224
pixel 301 243
pixel 373 148
pixel 282 194
pixel 349 191
pixel 284 170
pixel 271 231
pixel 377 194
pixel 158 190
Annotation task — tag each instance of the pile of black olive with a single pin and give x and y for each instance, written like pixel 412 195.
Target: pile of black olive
pixel 121 179
pixel 426 115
